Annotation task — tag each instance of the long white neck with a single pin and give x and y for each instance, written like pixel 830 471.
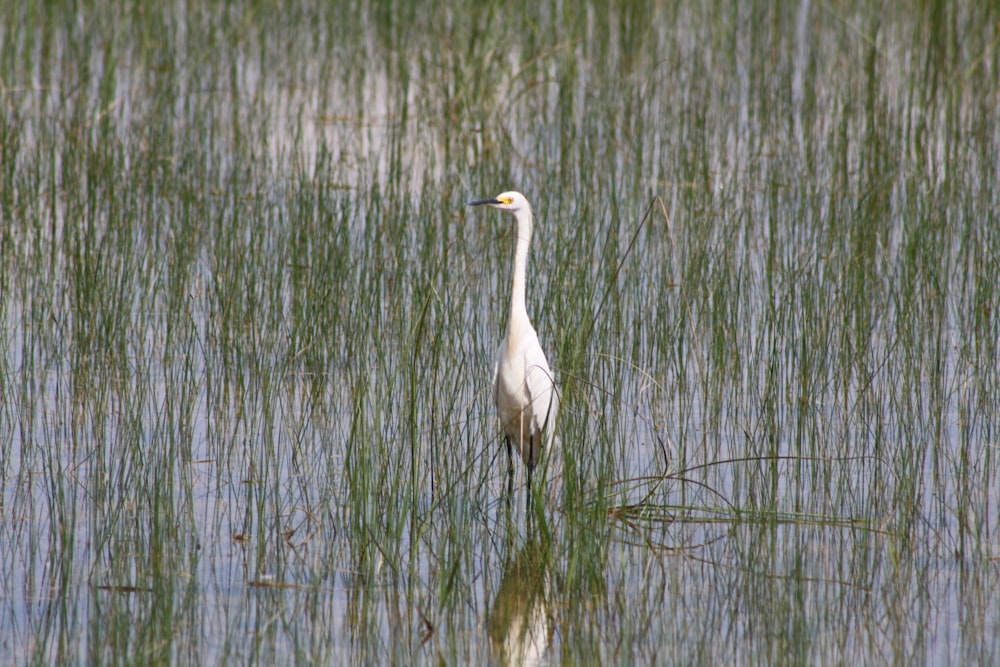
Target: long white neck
pixel 518 309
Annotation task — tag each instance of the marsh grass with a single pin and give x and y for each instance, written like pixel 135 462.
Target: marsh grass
pixel 248 325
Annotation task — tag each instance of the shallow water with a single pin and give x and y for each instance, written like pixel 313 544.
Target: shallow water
pixel 248 327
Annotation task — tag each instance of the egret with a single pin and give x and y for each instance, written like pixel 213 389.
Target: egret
pixel 523 388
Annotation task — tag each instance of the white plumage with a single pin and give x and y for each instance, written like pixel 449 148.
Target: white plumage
pixel 523 386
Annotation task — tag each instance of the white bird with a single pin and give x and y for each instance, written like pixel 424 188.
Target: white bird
pixel 523 386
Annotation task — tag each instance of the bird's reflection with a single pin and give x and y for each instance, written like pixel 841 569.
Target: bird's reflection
pixel 520 623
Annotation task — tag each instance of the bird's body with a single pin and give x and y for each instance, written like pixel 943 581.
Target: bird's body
pixel 523 386
pixel 522 391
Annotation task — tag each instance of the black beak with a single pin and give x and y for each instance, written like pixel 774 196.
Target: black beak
pixel 481 202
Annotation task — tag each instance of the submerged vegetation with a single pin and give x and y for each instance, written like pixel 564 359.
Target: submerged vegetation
pixel 245 412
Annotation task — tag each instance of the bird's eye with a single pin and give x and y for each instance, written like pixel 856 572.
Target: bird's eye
pixel 506 200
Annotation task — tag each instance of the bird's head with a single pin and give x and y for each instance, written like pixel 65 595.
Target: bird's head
pixel 512 202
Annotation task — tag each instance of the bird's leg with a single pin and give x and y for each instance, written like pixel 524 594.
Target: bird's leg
pixel 510 471
pixel 528 503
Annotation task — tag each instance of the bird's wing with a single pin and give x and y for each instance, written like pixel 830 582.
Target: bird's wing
pixel 539 383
